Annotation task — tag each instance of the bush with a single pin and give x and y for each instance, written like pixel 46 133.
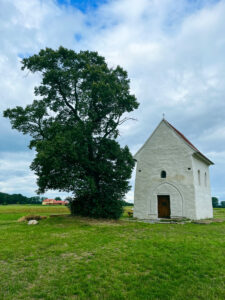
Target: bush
pixel 95 208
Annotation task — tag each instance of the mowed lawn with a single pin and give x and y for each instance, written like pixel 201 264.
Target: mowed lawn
pixel 76 258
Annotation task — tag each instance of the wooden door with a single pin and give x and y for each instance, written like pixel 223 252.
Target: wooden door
pixel 163 206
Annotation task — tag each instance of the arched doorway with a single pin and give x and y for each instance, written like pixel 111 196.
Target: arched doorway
pixel 168 201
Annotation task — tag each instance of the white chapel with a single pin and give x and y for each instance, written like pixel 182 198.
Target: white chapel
pixel 172 177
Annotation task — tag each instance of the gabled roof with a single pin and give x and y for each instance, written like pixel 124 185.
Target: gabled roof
pixel 197 153
pixel 181 135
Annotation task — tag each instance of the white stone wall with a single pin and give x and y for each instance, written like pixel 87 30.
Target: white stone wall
pixel 164 151
pixel 202 189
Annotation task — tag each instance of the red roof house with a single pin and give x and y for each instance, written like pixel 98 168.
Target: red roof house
pixel 54 202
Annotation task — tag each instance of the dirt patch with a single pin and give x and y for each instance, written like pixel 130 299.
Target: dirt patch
pixel 218 220
pixel 76 256
pixel 202 222
pixel 31 217
pixel 208 221
pixel 61 235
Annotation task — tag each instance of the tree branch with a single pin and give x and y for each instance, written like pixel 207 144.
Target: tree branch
pixel 112 129
pixel 74 110
pixel 40 128
pixel 118 122
pixel 126 119
pixel 76 97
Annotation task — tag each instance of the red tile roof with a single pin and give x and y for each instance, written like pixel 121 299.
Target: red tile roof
pixel 55 201
pixel 182 136
pixel 188 142
pixel 47 200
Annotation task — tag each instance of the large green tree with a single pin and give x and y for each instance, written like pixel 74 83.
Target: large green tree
pixel 73 125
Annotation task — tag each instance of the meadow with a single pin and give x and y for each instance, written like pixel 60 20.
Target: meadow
pixel 66 257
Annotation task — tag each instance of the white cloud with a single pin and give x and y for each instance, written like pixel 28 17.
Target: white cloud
pixel 130 196
pixel 176 62
pixel 172 50
pixel 16 176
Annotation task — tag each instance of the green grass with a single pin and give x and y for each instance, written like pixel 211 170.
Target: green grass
pixel 10 213
pixel 219 213
pixel 78 258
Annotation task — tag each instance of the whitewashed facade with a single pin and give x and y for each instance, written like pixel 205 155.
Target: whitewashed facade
pixel 172 177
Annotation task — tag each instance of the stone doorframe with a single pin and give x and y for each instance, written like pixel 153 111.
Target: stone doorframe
pixel 153 213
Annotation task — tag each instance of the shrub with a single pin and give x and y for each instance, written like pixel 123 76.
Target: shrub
pixel 95 208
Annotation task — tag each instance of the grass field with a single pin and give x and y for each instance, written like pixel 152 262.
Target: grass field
pixel 77 258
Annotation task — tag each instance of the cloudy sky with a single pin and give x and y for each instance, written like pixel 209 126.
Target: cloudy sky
pixel 174 52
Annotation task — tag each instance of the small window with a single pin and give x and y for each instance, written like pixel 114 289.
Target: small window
pixel 163 174
pixel 205 179
pixel 199 177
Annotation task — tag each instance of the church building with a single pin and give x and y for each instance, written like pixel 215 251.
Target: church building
pixel 172 177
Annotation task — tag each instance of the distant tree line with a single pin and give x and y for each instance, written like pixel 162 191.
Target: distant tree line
pixel 215 202
pixel 19 199
pixel 124 203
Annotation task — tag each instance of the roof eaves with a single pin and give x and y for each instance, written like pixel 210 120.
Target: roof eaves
pixel 203 157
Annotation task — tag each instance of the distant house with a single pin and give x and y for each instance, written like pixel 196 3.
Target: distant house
pixel 172 177
pixel 54 202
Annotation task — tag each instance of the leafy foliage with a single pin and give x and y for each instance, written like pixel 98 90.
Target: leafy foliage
pixel 215 202
pixel 222 204
pixel 74 126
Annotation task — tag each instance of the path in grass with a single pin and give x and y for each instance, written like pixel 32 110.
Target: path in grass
pixel 78 258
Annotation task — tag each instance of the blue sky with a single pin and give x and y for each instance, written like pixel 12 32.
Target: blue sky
pixel 173 52
pixel 85 5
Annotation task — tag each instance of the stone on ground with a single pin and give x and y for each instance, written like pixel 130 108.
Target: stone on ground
pixel 33 222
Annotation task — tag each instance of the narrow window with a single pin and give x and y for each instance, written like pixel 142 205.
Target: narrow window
pixel 163 174
pixel 205 179
pixel 199 177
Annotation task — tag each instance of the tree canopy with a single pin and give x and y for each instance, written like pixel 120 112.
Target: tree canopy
pixel 73 125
